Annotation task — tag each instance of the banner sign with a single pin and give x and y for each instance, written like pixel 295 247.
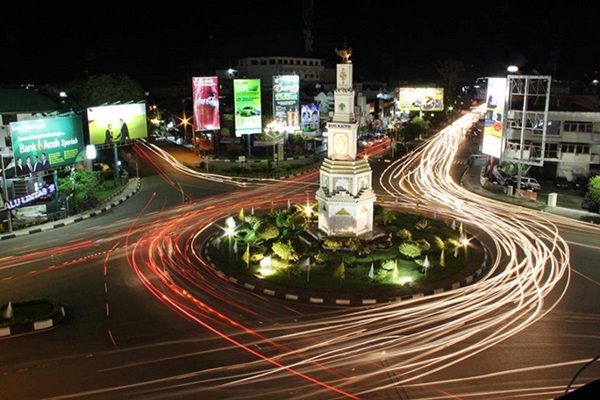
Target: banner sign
pixel 45 143
pixel 492 131
pixel 24 200
pixel 117 123
pixel 421 99
pixel 206 103
pixel 286 101
pixel 310 119
pixel 247 104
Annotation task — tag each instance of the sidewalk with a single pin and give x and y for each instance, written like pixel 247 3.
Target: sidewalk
pixel 123 194
pixel 470 180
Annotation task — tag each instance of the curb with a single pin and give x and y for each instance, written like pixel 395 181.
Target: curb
pixel 78 218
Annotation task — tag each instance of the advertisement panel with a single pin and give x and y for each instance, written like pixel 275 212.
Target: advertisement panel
pixel 117 123
pixel 45 143
pixel 492 131
pixel 286 102
pixel 206 103
pixel 421 99
pixel 310 119
pixel 247 104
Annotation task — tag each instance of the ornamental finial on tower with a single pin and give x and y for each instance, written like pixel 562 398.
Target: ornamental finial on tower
pixel 345 53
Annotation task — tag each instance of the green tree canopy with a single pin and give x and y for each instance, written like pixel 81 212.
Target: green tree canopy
pixel 96 90
pixel 594 189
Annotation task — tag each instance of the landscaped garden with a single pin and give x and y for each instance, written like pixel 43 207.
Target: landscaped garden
pixel 281 247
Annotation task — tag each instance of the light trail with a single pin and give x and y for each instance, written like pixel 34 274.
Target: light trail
pixel 341 349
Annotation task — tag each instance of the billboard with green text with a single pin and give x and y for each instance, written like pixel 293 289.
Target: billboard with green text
pixel 247 103
pixel 45 143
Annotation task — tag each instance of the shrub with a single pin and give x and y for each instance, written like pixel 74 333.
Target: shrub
pixel 254 221
pixel 423 244
pixel 285 251
pixel 423 225
pixel 388 265
pixel 333 244
pixel 267 231
pixel 321 257
pixel 405 235
pixel 410 249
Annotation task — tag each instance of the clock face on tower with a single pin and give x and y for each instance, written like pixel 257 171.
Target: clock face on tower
pixel 340 143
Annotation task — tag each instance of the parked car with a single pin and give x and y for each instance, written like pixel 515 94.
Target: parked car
pixel 561 182
pixel 581 183
pixel 527 183
pixel 590 205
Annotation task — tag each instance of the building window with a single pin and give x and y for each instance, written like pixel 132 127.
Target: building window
pixel 271 62
pixel 553 128
pixel 575 148
pixel 263 62
pixel 551 150
pixel 573 126
pixel 253 62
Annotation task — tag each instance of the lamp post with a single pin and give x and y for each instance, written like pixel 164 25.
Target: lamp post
pixel 229 230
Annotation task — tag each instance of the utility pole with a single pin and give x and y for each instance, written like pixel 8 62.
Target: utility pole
pixel 5 190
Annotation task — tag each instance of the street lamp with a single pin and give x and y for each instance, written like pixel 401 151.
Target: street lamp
pixel 229 231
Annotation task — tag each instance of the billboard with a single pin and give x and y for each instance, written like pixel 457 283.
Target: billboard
pixel 117 123
pixel 310 119
pixel 492 131
pixel 286 101
pixel 247 105
pixel 206 103
pixel 45 143
pixel 421 99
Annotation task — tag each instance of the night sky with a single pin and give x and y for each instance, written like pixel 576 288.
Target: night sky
pixel 167 43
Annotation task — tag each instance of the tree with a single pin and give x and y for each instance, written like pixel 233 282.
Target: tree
pixel 594 189
pixel 414 128
pixel 453 74
pixel 103 88
pixel 80 180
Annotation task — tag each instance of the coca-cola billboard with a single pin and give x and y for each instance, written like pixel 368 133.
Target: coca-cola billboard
pixel 206 103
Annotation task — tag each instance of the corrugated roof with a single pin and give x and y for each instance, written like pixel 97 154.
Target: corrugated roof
pixel 24 101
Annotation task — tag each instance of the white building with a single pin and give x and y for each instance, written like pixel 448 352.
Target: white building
pixel 572 145
pixel 345 197
pixel 264 68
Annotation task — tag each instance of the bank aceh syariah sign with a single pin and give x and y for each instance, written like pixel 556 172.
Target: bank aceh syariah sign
pixel 58 140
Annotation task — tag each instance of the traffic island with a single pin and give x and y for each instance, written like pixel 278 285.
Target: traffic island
pixel 30 315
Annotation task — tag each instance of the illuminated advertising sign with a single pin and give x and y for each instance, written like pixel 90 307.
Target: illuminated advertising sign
pixel 247 104
pixel 117 123
pixel 492 131
pixel 46 143
pixel 206 103
pixel 421 99
pixel 22 201
pixel 310 119
pixel 286 101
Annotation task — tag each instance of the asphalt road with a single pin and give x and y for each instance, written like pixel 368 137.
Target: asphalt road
pixel 136 329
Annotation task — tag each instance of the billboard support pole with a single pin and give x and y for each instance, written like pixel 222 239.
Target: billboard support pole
pixel 117 175
pixel 5 190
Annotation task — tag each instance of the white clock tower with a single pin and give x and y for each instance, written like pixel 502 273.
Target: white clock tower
pixel 345 196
